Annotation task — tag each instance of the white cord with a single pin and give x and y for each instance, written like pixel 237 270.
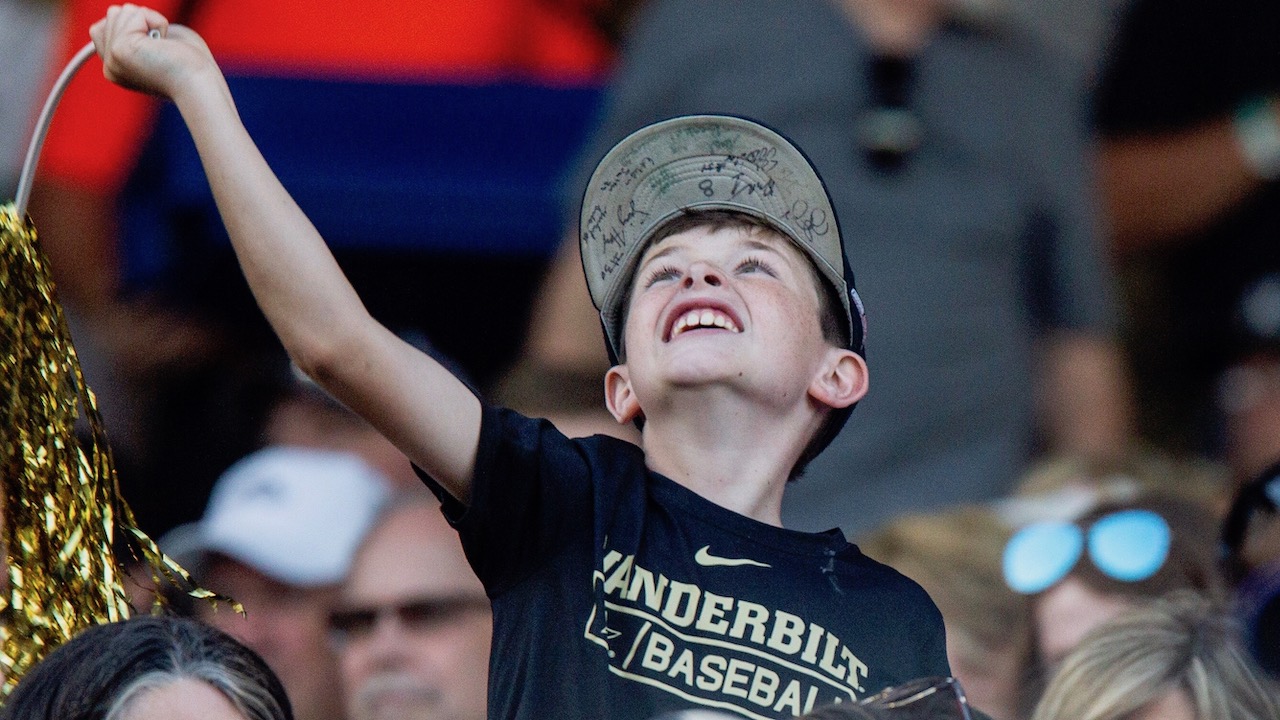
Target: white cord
pixel 42 129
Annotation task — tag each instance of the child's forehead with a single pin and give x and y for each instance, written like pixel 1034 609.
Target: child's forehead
pixel 735 238
pixel 739 241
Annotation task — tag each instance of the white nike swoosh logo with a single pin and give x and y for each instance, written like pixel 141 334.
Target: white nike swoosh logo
pixel 704 558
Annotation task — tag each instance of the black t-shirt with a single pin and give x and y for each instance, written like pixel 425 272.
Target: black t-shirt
pixel 618 593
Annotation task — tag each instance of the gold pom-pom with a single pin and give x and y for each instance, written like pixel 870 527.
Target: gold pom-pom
pixel 62 506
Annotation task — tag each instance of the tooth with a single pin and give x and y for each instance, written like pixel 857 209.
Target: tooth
pixel 693 318
pixel 708 319
pixel 680 325
pixel 731 325
pixel 721 321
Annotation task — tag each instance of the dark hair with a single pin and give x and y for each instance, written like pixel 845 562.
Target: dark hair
pixel 830 316
pixel 96 674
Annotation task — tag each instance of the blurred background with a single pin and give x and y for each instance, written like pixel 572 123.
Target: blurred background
pixel 1063 218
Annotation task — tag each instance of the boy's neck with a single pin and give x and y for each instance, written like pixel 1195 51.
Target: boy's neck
pixel 726 453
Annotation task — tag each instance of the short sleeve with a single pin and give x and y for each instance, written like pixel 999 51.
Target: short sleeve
pixel 531 496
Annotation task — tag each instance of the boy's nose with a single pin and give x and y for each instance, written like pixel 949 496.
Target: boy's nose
pixel 705 273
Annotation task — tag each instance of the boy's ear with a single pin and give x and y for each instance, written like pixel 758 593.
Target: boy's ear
pixel 842 380
pixel 619 395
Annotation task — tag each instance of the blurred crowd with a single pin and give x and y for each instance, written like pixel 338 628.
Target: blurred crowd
pixel 1063 221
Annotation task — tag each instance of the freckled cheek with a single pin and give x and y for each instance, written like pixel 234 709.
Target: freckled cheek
pixel 635 333
pixel 642 319
pixel 799 315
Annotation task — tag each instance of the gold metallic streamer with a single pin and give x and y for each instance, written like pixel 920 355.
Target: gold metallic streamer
pixel 62 506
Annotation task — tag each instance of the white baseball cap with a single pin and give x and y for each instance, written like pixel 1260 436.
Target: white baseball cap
pixel 294 514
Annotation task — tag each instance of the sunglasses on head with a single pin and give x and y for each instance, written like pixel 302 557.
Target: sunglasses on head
pixel 352 624
pixel 931 698
pixel 1128 545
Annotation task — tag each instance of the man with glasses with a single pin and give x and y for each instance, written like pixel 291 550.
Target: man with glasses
pixel 278 536
pixel 412 626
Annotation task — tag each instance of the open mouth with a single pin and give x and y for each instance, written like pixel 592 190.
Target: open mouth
pixel 702 318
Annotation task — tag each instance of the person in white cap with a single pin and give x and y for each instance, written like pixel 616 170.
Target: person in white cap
pixel 278 536
pixel 625 581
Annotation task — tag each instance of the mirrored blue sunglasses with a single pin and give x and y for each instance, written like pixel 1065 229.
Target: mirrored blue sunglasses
pixel 1129 545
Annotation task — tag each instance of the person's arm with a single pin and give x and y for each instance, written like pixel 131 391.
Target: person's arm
pixel 1085 396
pixel 427 412
pixel 1161 186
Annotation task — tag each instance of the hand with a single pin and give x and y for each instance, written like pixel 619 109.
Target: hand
pixel 141 51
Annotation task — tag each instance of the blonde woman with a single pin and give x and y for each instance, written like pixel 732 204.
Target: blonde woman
pixel 1178 658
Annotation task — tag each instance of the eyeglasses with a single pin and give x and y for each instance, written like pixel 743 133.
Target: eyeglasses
pixel 1129 545
pixel 931 698
pixel 416 616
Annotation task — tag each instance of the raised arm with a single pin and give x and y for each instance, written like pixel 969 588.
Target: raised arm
pixel 427 412
pixel 1162 186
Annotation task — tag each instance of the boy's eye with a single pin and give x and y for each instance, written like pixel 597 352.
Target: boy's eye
pixel 666 272
pixel 753 264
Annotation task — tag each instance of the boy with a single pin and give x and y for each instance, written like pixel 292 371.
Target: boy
pixel 624 582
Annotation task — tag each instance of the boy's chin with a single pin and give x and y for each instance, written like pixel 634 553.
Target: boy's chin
pixel 704 369
pixel 708 351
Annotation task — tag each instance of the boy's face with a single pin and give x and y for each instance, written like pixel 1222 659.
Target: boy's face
pixel 734 306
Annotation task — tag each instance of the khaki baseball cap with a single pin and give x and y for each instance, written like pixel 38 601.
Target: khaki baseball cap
pixel 705 162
